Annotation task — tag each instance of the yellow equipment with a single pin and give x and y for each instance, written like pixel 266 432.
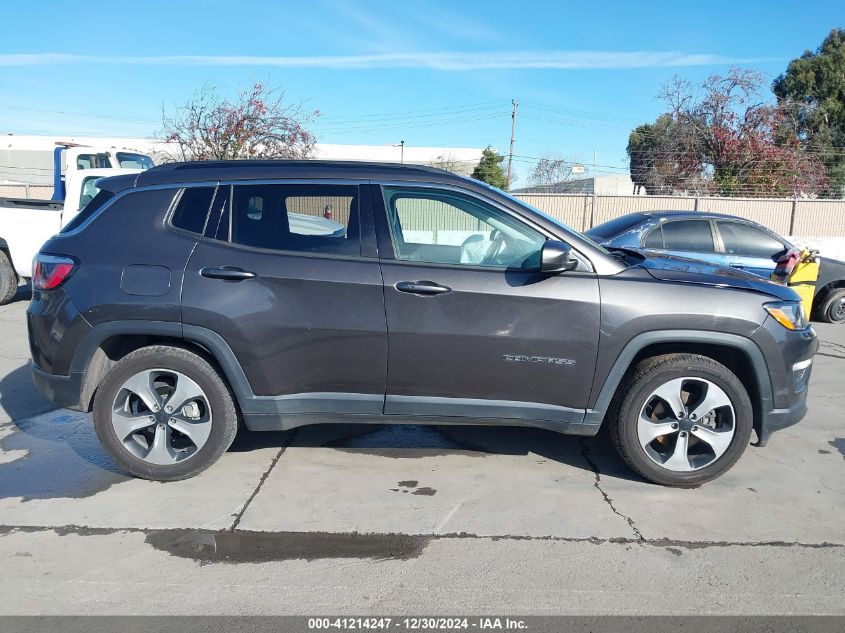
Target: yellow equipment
pixel 803 278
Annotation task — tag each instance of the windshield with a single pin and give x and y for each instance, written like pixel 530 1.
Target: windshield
pixel 131 160
pixel 89 190
pixel 615 227
pixel 563 225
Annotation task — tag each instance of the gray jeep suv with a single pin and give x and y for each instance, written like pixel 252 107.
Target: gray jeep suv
pixel 191 297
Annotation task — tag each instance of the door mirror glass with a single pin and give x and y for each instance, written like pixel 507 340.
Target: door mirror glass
pixel 556 257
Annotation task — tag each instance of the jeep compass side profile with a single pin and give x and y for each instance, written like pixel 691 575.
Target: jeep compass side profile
pixel 193 296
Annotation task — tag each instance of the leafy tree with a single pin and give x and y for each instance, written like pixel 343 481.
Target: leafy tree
pixel 812 92
pixel 489 169
pixel 664 159
pixel 259 123
pixel 723 138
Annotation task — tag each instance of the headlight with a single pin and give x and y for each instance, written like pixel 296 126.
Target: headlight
pixel 789 314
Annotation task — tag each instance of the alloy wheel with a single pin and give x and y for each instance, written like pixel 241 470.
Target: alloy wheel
pixel 161 416
pixel 686 424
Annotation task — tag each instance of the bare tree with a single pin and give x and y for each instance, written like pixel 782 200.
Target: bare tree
pixel 551 170
pixel 259 123
pixel 449 163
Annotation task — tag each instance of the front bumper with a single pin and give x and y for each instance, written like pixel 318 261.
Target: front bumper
pixel 788 356
pixel 778 419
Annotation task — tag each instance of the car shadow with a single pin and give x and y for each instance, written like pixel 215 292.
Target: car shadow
pixel 24 293
pixel 414 441
pixel 48 453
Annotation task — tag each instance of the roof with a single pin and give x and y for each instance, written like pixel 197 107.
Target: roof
pixel 205 171
pixel 688 214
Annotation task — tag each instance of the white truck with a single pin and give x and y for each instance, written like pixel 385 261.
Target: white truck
pixel 25 224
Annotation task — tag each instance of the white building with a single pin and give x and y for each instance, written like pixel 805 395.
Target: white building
pixel 29 159
pixel 602 185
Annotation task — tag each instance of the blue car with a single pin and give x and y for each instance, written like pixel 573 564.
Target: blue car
pixel 724 240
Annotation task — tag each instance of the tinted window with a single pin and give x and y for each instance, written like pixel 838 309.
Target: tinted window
pixel 615 227
pixel 448 228
pixel 749 241
pixel 688 235
pixel 192 209
pixel 654 239
pixel 312 218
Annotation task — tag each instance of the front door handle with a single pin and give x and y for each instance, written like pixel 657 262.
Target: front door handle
pixel 227 273
pixel 421 287
pixel 737 266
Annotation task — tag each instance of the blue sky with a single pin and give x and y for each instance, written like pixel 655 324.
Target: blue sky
pixel 437 73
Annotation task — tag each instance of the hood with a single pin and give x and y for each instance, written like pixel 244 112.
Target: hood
pixel 691 271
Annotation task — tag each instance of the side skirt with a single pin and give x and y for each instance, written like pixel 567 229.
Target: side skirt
pixel 284 422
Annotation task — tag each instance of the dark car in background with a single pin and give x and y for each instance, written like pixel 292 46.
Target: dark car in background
pixel 723 240
pixel 191 300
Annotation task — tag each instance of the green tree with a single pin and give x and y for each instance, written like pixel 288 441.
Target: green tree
pixel 722 137
pixel 489 169
pixel 812 90
pixel 664 157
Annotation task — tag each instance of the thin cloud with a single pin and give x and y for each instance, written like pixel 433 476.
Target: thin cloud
pixel 444 61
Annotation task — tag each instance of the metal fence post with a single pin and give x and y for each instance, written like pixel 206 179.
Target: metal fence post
pixel 792 217
pixel 26 187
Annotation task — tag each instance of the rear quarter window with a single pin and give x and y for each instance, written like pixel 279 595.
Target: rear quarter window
pixel 191 210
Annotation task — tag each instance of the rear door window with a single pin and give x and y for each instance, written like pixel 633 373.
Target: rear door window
pixel 748 241
pixel 688 235
pixel 307 218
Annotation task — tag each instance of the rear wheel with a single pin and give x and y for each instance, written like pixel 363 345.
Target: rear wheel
pixel 164 413
pixel 832 308
pixel 681 419
pixel 8 280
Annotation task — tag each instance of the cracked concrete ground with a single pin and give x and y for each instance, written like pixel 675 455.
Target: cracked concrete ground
pixel 371 519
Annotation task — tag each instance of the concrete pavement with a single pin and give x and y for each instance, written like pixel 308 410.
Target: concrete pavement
pixel 372 519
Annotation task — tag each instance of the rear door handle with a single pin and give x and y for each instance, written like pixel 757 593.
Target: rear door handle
pixel 421 287
pixel 228 273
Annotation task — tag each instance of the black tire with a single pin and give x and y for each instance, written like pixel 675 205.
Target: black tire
pixel 8 280
pixel 832 308
pixel 224 423
pixel 642 381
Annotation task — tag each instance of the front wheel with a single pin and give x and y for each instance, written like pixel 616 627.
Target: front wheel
pixel 832 309
pixel 681 419
pixel 164 413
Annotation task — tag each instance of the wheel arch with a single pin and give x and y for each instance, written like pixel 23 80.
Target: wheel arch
pixel 823 292
pixel 739 354
pixel 107 343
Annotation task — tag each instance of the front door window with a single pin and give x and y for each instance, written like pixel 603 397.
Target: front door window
pixel 441 227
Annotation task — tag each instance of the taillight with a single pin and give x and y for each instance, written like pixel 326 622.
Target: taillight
pixel 51 271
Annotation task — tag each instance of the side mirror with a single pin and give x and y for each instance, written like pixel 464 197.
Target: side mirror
pixel 556 257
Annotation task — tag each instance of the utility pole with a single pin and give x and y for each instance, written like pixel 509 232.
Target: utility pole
pixel 402 152
pixel 515 105
pixel 593 206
